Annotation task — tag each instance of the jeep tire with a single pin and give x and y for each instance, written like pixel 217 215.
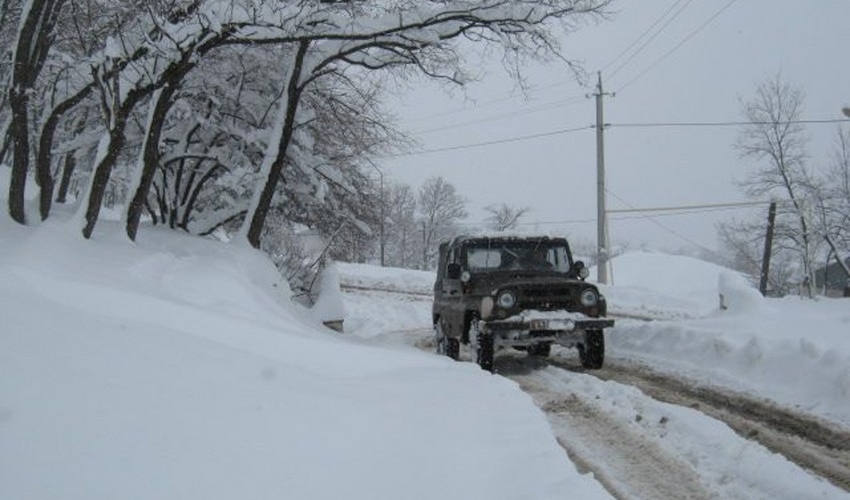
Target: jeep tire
pixel 484 352
pixel 592 352
pixel 482 348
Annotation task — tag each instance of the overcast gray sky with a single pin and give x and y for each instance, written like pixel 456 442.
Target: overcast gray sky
pixel 707 55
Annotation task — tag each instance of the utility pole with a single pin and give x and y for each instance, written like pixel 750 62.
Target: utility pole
pixel 768 248
pixel 601 214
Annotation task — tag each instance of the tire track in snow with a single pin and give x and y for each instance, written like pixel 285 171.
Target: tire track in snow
pixel 818 446
pixel 632 468
pixel 627 464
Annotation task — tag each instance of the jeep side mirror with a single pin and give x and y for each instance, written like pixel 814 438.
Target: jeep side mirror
pixel 580 269
pixel 453 271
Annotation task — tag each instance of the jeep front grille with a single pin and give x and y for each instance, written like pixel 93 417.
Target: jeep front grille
pixel 547 298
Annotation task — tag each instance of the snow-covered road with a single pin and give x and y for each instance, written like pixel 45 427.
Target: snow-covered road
pixel 633 448
pixel 644 432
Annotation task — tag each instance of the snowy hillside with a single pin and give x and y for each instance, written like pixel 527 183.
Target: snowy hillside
pixel 177 368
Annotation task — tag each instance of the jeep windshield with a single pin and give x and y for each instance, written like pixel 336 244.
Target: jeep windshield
pixel 518 255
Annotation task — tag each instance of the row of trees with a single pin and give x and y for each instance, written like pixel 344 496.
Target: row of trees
pixel 407 224
pixel 249 117
pixel 812 219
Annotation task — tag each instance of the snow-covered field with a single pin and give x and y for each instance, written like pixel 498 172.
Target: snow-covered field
pixel 179 368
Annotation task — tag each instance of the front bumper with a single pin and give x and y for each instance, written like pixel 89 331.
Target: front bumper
pixel 520 331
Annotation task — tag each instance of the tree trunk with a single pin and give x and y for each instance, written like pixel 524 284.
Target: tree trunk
pixel 44 159
pixel 70 163
pixel 189 204
pixel 34 41
pixel 103 170
pixel 67 172
pixel 150 158
pixel 19 135
pixel 258 218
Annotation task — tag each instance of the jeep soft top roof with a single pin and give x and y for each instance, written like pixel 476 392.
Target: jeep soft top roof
pixel 506 238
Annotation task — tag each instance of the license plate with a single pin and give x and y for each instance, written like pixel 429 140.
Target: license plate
pixel 539 324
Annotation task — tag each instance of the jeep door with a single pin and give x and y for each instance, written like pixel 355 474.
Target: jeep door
pixel 449 303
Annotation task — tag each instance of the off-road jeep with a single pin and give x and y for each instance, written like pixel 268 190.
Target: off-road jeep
pixel 521 292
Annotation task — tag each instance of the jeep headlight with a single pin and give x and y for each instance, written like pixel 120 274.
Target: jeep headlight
pixel 589 297
pixel 506 299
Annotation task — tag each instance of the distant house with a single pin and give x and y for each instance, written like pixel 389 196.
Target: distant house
pixel 834 278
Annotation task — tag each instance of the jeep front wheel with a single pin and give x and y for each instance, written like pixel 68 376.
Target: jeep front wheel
pixel 592 352
pixel 481 345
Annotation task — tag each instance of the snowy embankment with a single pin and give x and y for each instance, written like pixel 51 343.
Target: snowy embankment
pixel 178 368
pixel 793 351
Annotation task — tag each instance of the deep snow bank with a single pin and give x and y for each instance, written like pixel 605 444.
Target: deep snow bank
pixel 654 284
pixel 177 368
pixel 792 350
pixel 386 278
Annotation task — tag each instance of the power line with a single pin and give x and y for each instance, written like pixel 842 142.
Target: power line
pixel 662 226
pixel 674 212
pixel 648 41
pixel 691 208
pixel 489 103
pixel 543 107
pixel 723 124
pixel 677 46
pixel 677 214
pixel 619 125
pixel 490 143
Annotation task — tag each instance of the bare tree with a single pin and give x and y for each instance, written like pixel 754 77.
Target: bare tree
pixel 132 60
pixel 742 246
pixel 776 140
pixel 330 38
pixel 504 217
pixel 439 208
pixel 832 195
pixel 401 226
pixel 837 191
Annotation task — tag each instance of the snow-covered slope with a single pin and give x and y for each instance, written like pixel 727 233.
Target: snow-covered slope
pixel 791 350
pixel 178 368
